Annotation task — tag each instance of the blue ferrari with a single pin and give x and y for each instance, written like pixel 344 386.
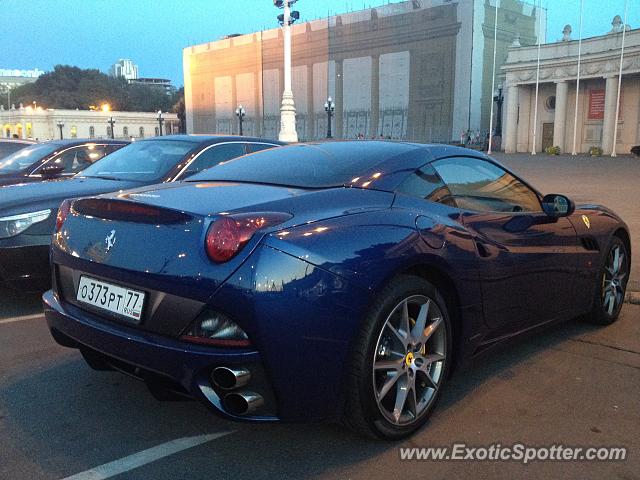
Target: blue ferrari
pixel 338 280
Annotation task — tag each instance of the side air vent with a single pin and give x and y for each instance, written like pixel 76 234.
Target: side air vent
pixel 590 243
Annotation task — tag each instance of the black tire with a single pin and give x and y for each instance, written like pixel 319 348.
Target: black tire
pixel 363 413
pixel 602 313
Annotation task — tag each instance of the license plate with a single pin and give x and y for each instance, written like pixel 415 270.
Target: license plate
pixel 112 298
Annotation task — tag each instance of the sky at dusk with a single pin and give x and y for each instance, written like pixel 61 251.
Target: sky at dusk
pixel 96 33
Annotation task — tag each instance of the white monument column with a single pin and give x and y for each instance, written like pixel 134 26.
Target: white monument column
pixel 610 96
pixel 511 121
pixel 288 131
pixel 560 118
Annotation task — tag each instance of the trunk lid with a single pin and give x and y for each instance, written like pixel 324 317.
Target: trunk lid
pixel 154 237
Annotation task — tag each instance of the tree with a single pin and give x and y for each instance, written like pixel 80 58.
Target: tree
pixel 179 109
pixel 72 87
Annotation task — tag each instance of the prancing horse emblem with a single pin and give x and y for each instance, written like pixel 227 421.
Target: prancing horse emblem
pixel 586 221
pixel 110 240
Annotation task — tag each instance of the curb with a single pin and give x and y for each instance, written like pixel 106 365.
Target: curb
pixel 633 298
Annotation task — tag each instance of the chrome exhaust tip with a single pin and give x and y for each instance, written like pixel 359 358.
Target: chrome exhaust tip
pixel 243 403
pixel 229 378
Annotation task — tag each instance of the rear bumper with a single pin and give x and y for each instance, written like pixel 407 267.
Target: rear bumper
pixel 180 363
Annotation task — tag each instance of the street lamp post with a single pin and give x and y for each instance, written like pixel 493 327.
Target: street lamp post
pixel 60 126
pixel 288 131
pixel 240 113
pixel 499 99
pixel 330 108
pixel 160 121
pixel 111 122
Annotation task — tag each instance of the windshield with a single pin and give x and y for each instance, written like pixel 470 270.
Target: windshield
pixel 26 157
pixel 306 166
pixel 147 161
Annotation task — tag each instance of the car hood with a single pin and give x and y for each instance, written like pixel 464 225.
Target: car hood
pixel 21 197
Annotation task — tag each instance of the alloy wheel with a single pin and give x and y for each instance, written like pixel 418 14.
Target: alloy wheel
pixel 409 360
pixel 614 280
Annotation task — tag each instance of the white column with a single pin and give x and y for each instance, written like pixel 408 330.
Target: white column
pixel 524 121
pixel 560 118
pixel 339 100
pixel 511 121
pixel 610 97
pixel 374 119
pixel 288 131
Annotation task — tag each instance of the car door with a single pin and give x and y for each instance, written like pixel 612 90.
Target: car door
pixel 212 156
pixel 530 259
pixel 75 159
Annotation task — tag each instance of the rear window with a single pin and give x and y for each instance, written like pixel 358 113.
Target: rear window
pixel 26 157
pixel 7 148
pixel 306 166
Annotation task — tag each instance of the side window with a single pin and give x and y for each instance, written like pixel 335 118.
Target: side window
pixel 425 183
pixel 112 148
pixel 213 156
pixel 77 159
pixel 256 147
pixel 479 185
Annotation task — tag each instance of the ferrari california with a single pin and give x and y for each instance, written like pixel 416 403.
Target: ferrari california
pixel 326 281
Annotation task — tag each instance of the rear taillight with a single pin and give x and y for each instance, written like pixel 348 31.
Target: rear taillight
pixel 229 234
pixel 63 213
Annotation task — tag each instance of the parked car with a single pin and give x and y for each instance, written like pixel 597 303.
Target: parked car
pixel 28 212
pixel 323 281
pixel 54 159
pixel 9 146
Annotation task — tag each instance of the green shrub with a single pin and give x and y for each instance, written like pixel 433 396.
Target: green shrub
pixel 552 150
pixel 595 151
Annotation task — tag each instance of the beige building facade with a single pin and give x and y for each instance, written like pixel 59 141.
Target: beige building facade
pixel 48 124
pixel 597 95
pixel 414 70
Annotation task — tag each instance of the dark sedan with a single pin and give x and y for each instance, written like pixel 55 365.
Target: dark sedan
pixel 326 281
pixel 10 145
pixel 27 212
pixel 54 159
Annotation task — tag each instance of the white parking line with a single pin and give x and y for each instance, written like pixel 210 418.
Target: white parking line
pixel 144 457
pixel 21 319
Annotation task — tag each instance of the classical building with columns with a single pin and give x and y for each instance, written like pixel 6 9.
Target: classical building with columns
pixel 47 124
pixel 417 70
pixel 597 95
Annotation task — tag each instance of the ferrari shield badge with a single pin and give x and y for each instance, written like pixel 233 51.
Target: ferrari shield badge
pixel 586 221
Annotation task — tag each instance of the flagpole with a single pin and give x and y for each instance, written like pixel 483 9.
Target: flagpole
pixel 615 123
pixel 535 108
pixel 575 118
pixel 493 79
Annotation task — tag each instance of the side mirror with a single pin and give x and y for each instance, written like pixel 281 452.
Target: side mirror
pixel 556 205
pixel 51 170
